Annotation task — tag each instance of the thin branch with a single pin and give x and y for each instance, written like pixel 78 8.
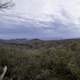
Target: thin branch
pixel 6 5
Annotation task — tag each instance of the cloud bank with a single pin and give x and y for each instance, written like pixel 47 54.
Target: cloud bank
pixel 45 19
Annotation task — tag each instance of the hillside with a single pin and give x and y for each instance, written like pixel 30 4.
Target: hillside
pixel 40 60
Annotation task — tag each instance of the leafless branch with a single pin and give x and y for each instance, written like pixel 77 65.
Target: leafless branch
pixel 8 4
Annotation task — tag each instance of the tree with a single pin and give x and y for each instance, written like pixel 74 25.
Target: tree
pixel 6 4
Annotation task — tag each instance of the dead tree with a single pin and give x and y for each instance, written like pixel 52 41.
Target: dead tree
pixel 4 72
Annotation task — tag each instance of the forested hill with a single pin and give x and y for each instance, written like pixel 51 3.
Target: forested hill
pixel 37 43
pixel 40 60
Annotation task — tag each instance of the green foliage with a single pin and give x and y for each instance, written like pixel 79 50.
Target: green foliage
pixel 41 60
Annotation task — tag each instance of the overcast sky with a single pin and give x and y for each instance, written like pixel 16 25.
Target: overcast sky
pixel 41 19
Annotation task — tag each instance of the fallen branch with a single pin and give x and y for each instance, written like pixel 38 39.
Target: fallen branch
pixel 4 72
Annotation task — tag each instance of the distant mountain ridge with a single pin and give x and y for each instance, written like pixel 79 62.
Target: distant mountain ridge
pixel 28 41
pixel 19 41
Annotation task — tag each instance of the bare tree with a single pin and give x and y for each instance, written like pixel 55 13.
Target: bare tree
pixel 6 4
